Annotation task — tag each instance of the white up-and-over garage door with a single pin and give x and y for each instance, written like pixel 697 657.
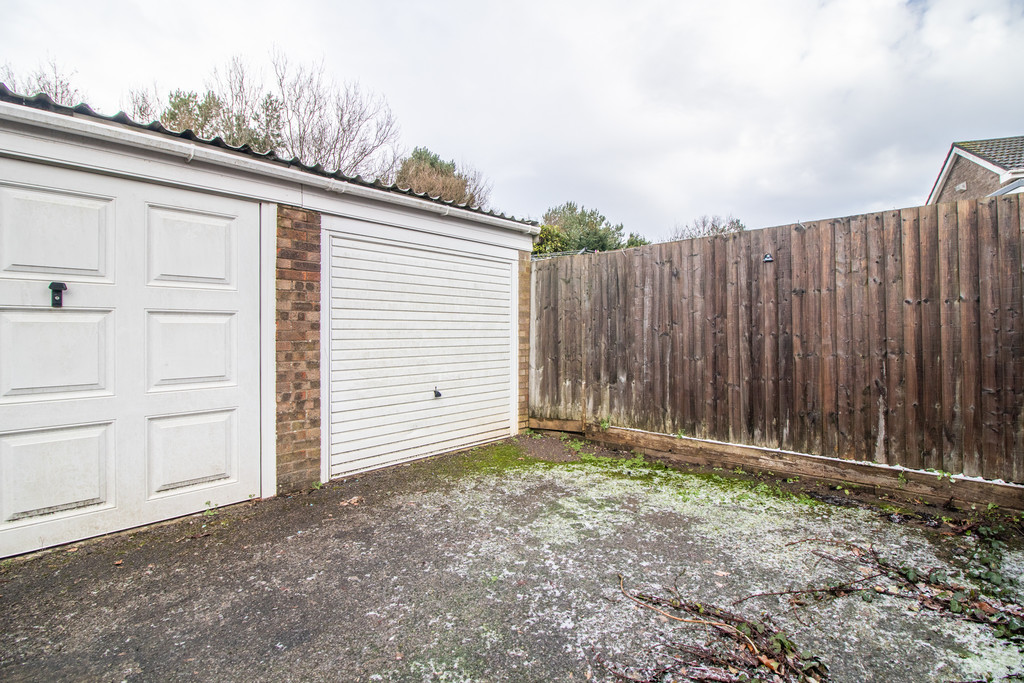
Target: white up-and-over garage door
pixel 138 399
pixel 421 346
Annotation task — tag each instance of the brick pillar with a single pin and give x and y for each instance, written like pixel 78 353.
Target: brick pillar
pixel 298 348
pixel 524 339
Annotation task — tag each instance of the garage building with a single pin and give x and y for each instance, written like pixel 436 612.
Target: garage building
pixel 185 325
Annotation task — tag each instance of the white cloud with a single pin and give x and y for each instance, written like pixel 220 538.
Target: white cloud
pixel 652 111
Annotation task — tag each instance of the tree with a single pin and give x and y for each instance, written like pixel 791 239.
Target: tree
pixel 581 228
pixel 426 171
pixel 635 239
pixel 303 114
pixel 49 79
pixel 336 126
pixel 551 240
pixel 707 226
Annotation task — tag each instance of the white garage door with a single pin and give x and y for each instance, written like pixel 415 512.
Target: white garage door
pixel 137 400
pixel 406 321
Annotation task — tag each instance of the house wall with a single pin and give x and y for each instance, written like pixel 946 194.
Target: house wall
pixel 298 348
pixel 981 182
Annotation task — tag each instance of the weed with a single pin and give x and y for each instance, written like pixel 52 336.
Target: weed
pixel 681 434
pixel 317 485
pixel 211 509
pixel 988 557
pixel 941 474
pixel 634 466
pixel 605 424
pixel 575 446
pixel 563 437
pixel 901 479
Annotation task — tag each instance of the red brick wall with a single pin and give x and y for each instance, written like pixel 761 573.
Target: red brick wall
pixel 298 348
pixel 524 339
pixel 981 182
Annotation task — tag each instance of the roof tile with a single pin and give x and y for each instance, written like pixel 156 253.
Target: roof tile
pixel 1007 153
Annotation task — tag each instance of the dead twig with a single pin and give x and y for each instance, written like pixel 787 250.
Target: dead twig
pixel 743 649
pixel 720 625
pixel 806 591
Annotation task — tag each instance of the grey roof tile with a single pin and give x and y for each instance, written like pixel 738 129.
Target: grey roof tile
pixel 1007 153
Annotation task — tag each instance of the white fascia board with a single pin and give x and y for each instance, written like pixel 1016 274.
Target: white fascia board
pixel 182 149
pixel 943 174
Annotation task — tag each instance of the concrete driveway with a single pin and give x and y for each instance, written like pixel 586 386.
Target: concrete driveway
pixel 500 564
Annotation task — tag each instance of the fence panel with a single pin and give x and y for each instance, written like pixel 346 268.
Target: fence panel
pixel 895 337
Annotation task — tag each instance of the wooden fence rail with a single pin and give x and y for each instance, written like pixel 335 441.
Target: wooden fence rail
pixel 895 337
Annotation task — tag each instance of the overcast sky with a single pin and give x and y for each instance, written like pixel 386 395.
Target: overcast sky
pixel 652 112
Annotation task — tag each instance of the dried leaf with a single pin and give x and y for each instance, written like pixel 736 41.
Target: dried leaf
pixel 118 563
pixel 721 573
pixel 770 663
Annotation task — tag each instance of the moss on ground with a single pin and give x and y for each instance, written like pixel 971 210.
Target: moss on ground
pixel 506 455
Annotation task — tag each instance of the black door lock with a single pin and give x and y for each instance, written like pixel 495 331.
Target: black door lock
pixel 57 294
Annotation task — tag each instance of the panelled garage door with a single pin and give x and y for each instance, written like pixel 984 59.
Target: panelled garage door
pixel 407 323
pixel 137 400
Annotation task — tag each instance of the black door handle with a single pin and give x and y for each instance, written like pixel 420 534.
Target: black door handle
pixel 57 294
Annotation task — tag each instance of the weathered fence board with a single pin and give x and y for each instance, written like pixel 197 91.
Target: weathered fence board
pixel 895 337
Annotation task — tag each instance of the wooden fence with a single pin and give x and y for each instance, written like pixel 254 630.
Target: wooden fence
pixel 893 337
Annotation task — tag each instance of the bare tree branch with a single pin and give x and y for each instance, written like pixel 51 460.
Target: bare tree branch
pixel 338 127
pixel 49 78
pixel 706 226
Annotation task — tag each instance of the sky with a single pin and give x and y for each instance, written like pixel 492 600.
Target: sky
pixel 653 112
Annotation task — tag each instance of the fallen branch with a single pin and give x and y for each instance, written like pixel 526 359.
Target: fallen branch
pixel 930 588
pixel 848 587
pixel 731 630
pixel 757 647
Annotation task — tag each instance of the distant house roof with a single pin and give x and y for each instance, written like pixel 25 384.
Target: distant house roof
pixel 1002 156
pixel 45 103
pixel 1006 153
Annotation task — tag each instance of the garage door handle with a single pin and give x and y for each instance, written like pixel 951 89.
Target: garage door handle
pixel 57 294
pixel 437 394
